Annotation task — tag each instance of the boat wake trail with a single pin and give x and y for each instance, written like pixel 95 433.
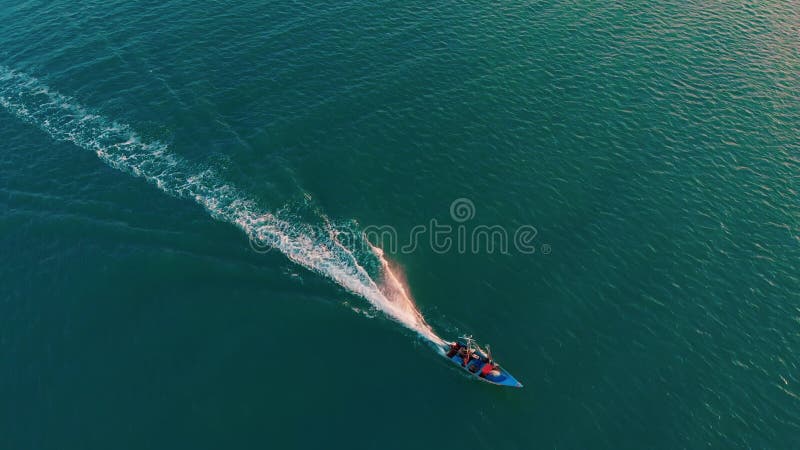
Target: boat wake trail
pixel 118 145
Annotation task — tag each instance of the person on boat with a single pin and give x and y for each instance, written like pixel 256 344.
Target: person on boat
pixel 454 348
pixel 466 354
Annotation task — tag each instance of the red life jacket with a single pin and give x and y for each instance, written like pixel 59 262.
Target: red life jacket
pixel 486 369
pixel 453 350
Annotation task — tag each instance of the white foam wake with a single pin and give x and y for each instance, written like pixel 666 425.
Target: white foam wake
pixel 117 144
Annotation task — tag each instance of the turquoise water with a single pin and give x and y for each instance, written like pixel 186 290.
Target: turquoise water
pixel 152 152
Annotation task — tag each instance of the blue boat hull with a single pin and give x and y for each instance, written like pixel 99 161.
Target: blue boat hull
pixel 474 369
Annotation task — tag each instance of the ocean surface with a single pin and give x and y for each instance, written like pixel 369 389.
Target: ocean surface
pixel 187 191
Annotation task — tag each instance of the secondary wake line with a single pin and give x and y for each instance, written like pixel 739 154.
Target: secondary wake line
pixel 118 145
